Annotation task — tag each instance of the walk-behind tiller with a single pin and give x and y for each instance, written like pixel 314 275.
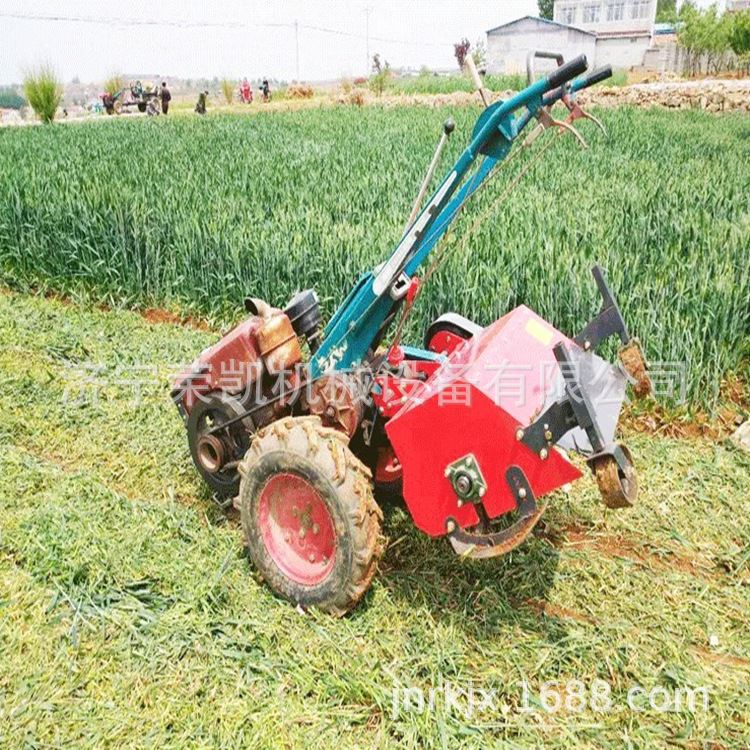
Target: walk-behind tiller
pixel 472 429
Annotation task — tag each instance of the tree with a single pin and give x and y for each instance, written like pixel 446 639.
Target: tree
pixel 460 50
pixel 546 8
pixel 739 34
pixel 44 92
pixel 704 35
pixel 381 73
pixel 666 11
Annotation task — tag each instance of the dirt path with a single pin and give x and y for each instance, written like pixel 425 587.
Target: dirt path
pixel 712 94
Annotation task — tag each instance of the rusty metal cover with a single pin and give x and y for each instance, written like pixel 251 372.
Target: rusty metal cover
pixel 278 344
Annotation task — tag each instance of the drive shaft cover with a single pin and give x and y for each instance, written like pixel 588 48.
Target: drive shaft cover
pixel 474 404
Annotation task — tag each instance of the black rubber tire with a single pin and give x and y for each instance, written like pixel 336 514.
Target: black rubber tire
pixel 142 106
pixel 321 456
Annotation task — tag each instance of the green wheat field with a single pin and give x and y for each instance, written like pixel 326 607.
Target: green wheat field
pixel 195 214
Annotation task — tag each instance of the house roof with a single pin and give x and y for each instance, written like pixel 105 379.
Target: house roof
pixel 541 20
pixel 623 34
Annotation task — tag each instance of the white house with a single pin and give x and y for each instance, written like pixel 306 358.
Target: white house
pixel 609 32
pixel 509 45
pixel 624 28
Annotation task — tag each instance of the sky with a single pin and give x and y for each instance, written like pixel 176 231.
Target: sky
pixel 236 38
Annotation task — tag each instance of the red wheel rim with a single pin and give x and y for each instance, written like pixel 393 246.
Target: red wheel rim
pixel 297 528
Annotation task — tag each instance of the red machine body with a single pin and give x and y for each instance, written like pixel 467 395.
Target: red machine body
pixel 473 405
pixel 231 365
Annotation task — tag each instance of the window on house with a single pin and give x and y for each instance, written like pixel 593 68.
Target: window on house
pixel 640 8
pixel 568 14
pixel 615 10
pixel 591 12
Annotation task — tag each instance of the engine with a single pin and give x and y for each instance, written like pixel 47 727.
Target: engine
pixel 244 381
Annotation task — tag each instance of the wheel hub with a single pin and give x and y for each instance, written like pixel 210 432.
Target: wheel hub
pixel 215 453
pixel 211 453
pixel 297 528
pixel 336 400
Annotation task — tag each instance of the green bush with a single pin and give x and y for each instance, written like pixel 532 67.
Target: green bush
pixel 44 92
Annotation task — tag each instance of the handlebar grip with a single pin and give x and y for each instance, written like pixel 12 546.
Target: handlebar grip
pixel 565 72
pixel 600 74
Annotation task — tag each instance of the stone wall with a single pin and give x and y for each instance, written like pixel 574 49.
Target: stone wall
pixel 711 95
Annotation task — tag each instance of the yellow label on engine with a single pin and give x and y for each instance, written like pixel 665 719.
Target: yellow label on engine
pixel 538 331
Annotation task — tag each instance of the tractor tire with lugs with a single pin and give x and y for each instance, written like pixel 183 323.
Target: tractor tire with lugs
pixel 311 523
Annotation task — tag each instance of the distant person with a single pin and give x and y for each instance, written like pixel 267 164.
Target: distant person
pixel 166 97
pixel 246 93
pixel 266 89
pixel 200 107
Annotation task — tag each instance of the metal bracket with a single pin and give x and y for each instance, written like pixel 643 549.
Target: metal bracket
pixel 578 113
pixel 548 428
pixel 546 121
pixel 468 544
pixel 467 479
pixel 578 398
pixel 608 322
pixel 400 287
pixel 575 410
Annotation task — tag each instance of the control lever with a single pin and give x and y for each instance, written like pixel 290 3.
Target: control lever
pixel 448 127
pixel 478 85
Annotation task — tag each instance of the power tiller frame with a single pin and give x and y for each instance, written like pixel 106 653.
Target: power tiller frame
pixel 299 444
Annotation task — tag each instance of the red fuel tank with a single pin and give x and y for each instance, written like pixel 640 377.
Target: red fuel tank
pixel 232 365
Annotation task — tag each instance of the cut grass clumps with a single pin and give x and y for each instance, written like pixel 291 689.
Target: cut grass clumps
pixel 114 84
pixel 43 91
pixel 130 616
